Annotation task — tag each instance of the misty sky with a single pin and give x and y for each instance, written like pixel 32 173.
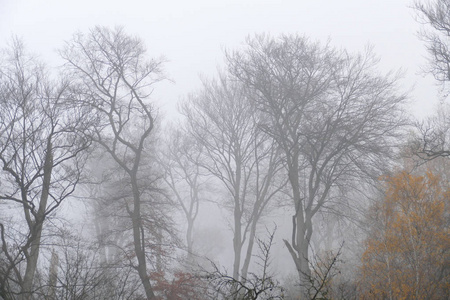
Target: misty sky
pixel 192 35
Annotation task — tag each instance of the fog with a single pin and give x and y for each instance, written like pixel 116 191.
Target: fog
pixel 192 35
pixel 224 150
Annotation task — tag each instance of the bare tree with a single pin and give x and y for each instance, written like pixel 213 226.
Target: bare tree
pixel 238 154
pixel 261 285
pixel 107 198
pixel 433 135
pixel 332 115
pixel 181 160
pixel 436 14
pixel 433 139
pixel 77 271
pixel 42 152
pixel 116 79
pixel 323 269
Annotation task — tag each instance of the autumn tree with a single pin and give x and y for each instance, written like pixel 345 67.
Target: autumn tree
pixel 407 250
pixel 332 114
pixel 115 78
pixel 43 143
pixel 181 285
pixel 237 154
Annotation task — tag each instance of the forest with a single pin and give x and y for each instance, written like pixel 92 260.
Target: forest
pixel 295 172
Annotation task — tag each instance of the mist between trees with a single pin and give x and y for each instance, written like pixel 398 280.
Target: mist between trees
pixel 294 173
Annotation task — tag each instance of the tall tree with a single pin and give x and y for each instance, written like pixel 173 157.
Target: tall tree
pixel 43 143
pixel 435 15
pixel 238 154
pixel 407 249
pixel 434 133
pixel 181 161
pixel 116 80
pixel 332 115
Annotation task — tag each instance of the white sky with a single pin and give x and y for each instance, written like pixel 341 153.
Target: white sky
pixel 192 34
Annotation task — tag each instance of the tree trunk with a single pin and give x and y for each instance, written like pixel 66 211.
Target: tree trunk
pixel 301 232
pixel 36 229
pixel 189 238
pixel 248 255
pixel 138 239
pixel 237 242
pixel 53 276
pixel 32 258
pixel 237 239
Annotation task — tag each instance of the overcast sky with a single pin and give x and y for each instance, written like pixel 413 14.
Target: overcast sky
pixel 192 34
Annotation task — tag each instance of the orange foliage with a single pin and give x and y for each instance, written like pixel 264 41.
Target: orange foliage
pixel 182 286
pixel 407 251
